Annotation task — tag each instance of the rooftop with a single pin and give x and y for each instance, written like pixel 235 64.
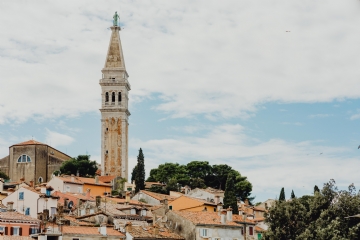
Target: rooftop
pixel 15 216
pixel 66 230
pixel 106 179
pixel 92 181
pixel 29 142
pixel 158 196
pixel 148 233
pixel 200 218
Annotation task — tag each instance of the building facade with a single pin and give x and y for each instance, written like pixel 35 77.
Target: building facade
pixel 32 161
pixel 114 110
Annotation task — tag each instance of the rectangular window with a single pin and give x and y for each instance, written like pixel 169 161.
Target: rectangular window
pixel 170 207
pixel 67 188
pixel 21 195
pixel 27 211
pixel 15 231
pixel 251 231
pixel 204 232
pixel 79 189
pixel 2 229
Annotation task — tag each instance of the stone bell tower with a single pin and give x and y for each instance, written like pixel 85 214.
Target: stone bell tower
pixel 114 109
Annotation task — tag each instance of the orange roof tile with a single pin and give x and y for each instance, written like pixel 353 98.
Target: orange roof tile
pixel 29 142
pixel 259 229
pixel 239 218
pixel 148 233
pixel 69 180
pixel 106 179
pixel 67 230
pixel 123 201
pixel 211 218
pixel 15 216
pixel 158 196
pixel 91 181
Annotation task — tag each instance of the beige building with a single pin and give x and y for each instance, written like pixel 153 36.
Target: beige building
pixel 32 161
pixel 114 110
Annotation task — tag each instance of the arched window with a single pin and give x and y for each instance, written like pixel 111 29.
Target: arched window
pixel 40 180
pixel 119 97
pixel 106 97
pixel 113 97
pixel 24 158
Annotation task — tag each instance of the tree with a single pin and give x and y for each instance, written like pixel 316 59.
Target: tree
pixel 316 189
pixel 282 195
pixel 4 176
pixel 134 173
pixel 81 164
pixel 157 189
pixel 229 196
pixel 197 183
pixel 172 186
pixel 292 194
pixel 140 172
pixel 322 216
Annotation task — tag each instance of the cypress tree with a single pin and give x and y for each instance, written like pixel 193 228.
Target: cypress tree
pixel 282 195
pixel 292 194
pixel 140 172
pixel 229 196
pixel 316 189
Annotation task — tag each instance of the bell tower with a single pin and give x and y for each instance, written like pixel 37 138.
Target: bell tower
pixel 114 109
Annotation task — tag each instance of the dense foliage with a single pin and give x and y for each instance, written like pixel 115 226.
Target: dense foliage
pixel 322 216
pixel 4 176
pixel 200 174
pixel 81 165
pixel 139 172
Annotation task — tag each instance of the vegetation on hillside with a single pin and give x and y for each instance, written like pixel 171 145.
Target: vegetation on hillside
pixel 322 216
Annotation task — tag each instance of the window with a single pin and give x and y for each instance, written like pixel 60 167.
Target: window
pixel 15 231
pixel 67 188
pixel 119 96
pixel 251 231
pixel 24 158
pixel 113 97
pixel 170 207
pixel 40 180
pixel 27 211
pixel 106 97
pixel 2 229
pixel 33 230
pixel 214 209
pixel 204 232
pixel 79 189
pixel 21 195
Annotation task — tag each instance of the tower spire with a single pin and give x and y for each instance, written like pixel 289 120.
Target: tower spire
pixel 115 57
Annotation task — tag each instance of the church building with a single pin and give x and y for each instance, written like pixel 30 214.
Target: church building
pixel 114 109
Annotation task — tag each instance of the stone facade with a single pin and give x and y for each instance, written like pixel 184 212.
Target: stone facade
pixel 114 110
pixel 37 161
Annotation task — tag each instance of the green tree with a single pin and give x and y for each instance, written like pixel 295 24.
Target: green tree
pixel 219 176
pixel 134 173
pixel 243 188
pixel 172 185
pixel 81 164
pixel 140 172
pixel 157 189
pixel 199 169
pixel 229 196
pixel 168 171
pixel 197 183
pixel 4 176
pixel 292 194
pixel 282 195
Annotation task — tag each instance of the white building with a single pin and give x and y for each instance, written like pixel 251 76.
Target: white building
pixel 209 194
pixel 66 184
pixel 28 201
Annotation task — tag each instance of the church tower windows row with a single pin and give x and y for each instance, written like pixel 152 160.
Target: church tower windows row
pixel 113 97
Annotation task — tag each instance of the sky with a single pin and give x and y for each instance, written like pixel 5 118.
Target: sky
pixel 270 88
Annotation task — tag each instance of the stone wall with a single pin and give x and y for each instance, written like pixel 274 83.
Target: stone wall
pixel 183 227
pixel 23 169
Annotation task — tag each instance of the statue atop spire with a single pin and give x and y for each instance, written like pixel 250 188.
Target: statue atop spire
pixel 116 17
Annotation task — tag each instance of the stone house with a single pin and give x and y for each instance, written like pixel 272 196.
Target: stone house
pixel 149 233
pixel 33 161
pixel 66 184
pixel 207 225
pixel 209 194
pixel 31 202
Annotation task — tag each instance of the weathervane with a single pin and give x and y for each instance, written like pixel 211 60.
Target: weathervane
pixel 116 17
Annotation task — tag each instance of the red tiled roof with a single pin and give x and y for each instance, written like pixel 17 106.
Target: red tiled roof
pixel 67 230
pixel 148 233
pixel 106 179
pixel 239 218
pixel 259 229
pixel 211 218
pixel 69 180
pixel 15 216
pixel 158 196
pixel 29 142
pixel 92 181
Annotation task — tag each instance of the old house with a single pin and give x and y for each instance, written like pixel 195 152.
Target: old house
pixel 192 204
pixel 149 233
pixel 33 161
pixel 66 184
pixel 151 197
pixel 209 194
pixel 17 224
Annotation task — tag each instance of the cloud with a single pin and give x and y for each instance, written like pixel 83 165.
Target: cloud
pixel 355 116
pixel 222 60
pixel 269 165
pixel 320 115
pixel 56 139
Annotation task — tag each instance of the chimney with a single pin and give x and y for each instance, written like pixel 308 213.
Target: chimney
pixel 97 179
pixel 31 183
pixel 103 229
pixel 156 230
pixel 98 201
pixel 10 206
pixel 66 202
pixel 217 200
pixel 246 202
pixel 88 193
pixel 150 222
pixel 219 207
pixel 223 217
pixel 229 214
pixel 127 198
pixel 72 178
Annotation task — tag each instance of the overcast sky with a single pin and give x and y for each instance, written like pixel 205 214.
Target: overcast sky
pixel 270 88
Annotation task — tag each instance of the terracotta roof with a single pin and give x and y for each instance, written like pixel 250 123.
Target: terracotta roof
pixel 259 229
pixel 158 196
pixel 67 230
pixel 33 190
pixel 213 190
pixel 260 219
pixel 211 218
pixel 29 142
pixel 260 209
pixel 69 180
pixel 76 222
pixel 92 181
pixel 15 216
pixel 71 196
pixel 106 179
pixel 109 208
pixel 123 201
pixel 6 237
pixel 148 233
pixel 239 218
